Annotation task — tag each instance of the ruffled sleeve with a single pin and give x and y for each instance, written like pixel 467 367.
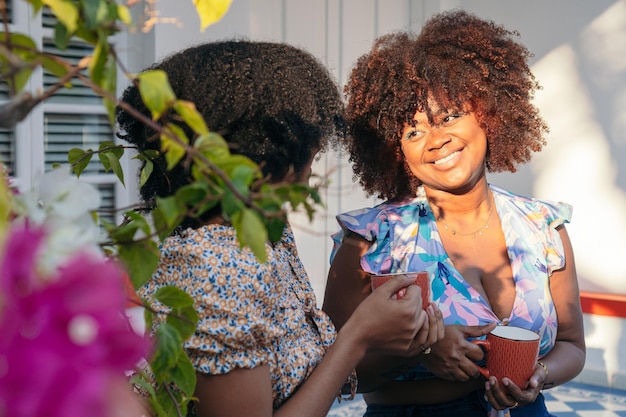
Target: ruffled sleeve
pixel 533 222
pixel 556 214
pixel 234 295
pixel 387 226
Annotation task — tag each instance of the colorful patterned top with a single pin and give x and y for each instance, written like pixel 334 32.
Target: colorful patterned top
pixel 250 313
pixel 405 237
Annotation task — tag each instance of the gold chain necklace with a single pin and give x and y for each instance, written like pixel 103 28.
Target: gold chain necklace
pixel 478 231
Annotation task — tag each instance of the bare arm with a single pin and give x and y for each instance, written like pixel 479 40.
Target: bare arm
pixel 347 286
pixel 567 358
pixel 380 323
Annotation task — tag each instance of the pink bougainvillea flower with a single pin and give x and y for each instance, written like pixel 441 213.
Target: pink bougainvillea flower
pixel 66 343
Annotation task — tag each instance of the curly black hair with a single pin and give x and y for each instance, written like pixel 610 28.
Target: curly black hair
pixel 272 102
pixel 457 60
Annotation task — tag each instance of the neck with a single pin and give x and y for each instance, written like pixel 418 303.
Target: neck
pixel 467 214
pixel 454 205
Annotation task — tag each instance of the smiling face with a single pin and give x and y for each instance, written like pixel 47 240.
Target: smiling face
pixel 447 155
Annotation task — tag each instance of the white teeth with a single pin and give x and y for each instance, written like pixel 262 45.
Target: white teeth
pixel 446 159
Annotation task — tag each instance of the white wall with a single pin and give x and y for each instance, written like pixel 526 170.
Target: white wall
pixel 580 60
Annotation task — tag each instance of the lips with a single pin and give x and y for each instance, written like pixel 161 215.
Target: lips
pixel 447 158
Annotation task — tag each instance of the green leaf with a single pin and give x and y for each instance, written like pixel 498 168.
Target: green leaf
pixel 251 232
pixel 6 207
pixel 22 40
pixel 66 12
pixel 168 349
pixel 236 162
pixel 168 406
pixel 92 12
pixel 163 228
pixel 61 36
pixel 111 160
pixel 297 197
pixel 146 171
pixel 183 316
pixel 141 381
pixel 146 156
pixel 37 5
pixel 99 62
pixel 192 194
pixel 191 116
pixel 230 204
pixel 141 259
pixel 210 11
pixel 170 209
pixel 148 318
pixel 123 14
pixel 56 68
pixel 109 84
pixel 156 92
pixel 244 175
pixel 79 159
pixel 173 297
pixel 114 162
pixel 174 149
pixel 184 320
pixel 184 375
pixel 110 147
pixel 211 142
pixel 275 227
pixel 27 51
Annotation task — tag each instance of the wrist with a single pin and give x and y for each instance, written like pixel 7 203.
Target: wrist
pixel 354 340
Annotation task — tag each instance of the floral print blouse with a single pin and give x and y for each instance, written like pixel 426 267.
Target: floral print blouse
pixel 250 313
pixel 405 237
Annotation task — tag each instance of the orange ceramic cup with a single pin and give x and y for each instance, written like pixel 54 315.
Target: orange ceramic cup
pixel 511 352
pixel 421 280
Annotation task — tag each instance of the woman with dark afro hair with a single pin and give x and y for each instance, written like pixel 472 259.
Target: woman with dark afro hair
pixel 428 116
pixel 262 347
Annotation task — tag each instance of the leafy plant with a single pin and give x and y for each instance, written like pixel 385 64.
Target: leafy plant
pixel 254 207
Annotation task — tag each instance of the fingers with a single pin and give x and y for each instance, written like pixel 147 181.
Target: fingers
pixel 477 331
pixel 395 284
pixel 508 395
pixel 539 377
pixel 498 396
pixel 412 294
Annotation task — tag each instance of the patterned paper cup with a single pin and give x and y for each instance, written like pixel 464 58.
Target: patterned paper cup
pixel 421 279
pixel 512 353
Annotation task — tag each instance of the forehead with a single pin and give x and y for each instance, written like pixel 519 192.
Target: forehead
pixel 435 107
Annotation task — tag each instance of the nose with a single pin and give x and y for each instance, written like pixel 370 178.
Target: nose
pixel 438 137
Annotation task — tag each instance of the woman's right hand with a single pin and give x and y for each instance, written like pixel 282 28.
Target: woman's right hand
pixel 453 357
pixel 390 325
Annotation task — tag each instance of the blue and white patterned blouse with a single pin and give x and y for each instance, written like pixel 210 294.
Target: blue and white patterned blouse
pixel 405 237
pixel 250 313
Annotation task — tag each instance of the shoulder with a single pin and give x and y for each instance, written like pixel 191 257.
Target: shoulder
pixel 548 212
pixel 371 221
pixel 207 259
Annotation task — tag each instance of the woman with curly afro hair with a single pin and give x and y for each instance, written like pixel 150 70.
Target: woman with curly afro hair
pixel 262 347
pixel 428 116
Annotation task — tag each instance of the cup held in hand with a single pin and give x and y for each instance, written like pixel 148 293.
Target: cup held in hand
pixel 511 352
pixel 421 279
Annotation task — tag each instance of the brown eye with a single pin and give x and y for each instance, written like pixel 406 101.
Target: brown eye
pixel 452 117
pixel 413 135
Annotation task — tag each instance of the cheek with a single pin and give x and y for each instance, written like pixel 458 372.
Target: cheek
pixel 412 157
pixel 410 154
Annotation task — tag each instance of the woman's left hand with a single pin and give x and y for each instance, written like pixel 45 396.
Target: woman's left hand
pixel 505 394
